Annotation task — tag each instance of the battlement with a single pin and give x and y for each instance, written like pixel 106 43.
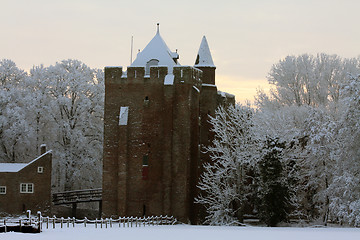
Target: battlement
pixel 134 74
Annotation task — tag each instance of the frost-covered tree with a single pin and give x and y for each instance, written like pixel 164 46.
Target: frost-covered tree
pixel 74 95
pixel 225 182
pixel 15 132
pixel 307 80
pixel 60 105
pixel 344 189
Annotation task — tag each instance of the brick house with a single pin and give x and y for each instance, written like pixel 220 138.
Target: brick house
pixel 155 128
pixel 26 186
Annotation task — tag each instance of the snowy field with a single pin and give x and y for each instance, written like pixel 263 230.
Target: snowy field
pixel 187 232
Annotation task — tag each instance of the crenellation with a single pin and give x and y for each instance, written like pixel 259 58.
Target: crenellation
pixel 113 74
pixel 158 73
pixel 135 74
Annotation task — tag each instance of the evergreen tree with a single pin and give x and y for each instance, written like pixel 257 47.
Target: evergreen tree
pixel 273 192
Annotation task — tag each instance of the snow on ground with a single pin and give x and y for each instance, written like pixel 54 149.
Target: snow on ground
pixel 188 232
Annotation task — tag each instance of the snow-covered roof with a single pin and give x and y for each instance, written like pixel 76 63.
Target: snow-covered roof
pixel 204 58
pixel 16 167
pixel 156 50
pixel 12 167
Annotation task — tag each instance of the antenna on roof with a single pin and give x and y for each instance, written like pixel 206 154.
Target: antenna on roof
pixel 158 27
pixel 131 51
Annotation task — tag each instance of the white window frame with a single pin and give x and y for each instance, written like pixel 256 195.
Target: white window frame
pixel 4 191
pixel 40 169
pixel 28 188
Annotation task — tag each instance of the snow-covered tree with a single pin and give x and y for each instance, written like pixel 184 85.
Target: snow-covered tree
pixel 75 103
pixel 307 80
pixel 225 181
pixel 60 105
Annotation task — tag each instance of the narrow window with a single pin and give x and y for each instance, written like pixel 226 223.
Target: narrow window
pixel 146 101
pixel 40 169
pixel 26 188
pixel 2 189
pixel 145 167
pixel 145 160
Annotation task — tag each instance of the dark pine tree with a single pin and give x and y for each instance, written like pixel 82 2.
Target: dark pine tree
pixel 273 191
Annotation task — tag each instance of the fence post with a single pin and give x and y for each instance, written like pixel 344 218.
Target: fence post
pixel 40 222
pixel 73 222
pixel 5 225
pixel 96 223
pixel 54 219
pixel 106 222
pixel 61 222
pixel 47 222
pixel 28 215
pixel 85 220
pixel 101 222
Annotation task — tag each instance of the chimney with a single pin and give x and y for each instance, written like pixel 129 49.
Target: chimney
pixel 42 149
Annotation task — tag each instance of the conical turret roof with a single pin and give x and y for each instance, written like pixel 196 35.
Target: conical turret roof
pixel 204 58
pixel 157 50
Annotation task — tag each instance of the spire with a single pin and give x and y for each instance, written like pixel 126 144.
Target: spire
pixel 158 28
pixel 156 52
pixel 204 58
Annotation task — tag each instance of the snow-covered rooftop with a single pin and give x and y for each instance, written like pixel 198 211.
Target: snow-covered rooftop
pixel 204 58
pixel 16 167
pixel 156 50
pixel 12 167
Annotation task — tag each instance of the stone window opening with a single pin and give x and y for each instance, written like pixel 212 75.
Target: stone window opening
pixel 146 101
pixel 145 167
pixel 26 188
pixel 2 189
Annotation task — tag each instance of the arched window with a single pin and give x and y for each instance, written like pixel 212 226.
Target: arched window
pixel 152 62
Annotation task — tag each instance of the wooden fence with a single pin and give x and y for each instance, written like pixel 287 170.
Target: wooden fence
pixel 39 222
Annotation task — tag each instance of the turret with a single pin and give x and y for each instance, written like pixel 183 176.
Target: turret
pixel 205 63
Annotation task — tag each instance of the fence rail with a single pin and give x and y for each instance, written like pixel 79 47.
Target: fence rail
pixel 36 224
pixel 88 195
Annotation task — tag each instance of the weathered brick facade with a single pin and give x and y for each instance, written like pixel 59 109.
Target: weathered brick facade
pixel 153 161
pixel 36 192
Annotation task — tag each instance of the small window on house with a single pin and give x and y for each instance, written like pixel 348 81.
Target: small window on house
pixel 26 188
pixel 2 189
pixel 40 169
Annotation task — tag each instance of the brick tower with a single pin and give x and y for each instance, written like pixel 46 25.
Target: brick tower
pixel 155 124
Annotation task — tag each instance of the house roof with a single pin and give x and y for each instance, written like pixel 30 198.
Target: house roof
pixel 16 167
pixel 156 49
pixel 12 167
pixel 204 58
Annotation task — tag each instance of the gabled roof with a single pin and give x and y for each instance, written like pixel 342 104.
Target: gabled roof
pixel 156 49
pixel 204 58
pixel 16 167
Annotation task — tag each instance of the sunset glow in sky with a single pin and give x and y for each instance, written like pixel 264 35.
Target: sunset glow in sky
pixel 246 37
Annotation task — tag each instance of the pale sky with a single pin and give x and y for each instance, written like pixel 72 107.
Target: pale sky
pixel 246 37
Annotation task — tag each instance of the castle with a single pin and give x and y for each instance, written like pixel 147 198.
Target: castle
pixel 155 130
